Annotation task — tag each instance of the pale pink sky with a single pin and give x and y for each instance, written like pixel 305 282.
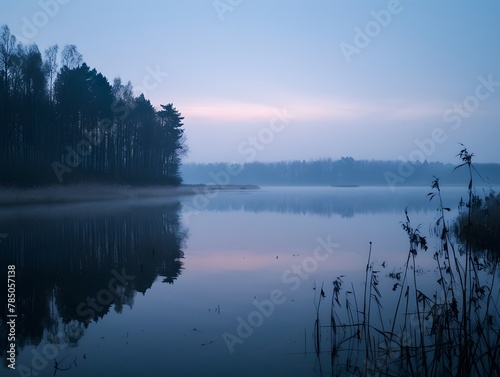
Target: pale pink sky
pixel 226 73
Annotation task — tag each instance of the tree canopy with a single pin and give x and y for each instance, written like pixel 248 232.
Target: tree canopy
pixel 69 124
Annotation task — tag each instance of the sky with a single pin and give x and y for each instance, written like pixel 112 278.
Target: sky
pixel 273 80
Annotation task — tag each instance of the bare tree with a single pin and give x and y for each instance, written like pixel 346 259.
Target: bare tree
pixel 70 57
pixel 51 68
pixel 7 52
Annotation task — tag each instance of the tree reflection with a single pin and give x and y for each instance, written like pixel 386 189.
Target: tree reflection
pixel 73 268
pixel 322 201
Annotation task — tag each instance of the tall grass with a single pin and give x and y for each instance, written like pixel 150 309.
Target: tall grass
pixel 453 331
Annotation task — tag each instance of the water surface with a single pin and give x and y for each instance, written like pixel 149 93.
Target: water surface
pixel 194 286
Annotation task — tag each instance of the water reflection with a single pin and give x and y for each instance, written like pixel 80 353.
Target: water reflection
pixel 76 264
pixel 326 201
pixel 79 266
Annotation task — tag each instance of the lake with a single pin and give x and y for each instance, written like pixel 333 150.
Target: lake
pixel 224 284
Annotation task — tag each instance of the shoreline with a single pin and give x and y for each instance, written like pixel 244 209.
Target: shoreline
pixel 11 197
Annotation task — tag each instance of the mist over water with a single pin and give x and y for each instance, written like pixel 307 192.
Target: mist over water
pixel 104 281
pixel 249 188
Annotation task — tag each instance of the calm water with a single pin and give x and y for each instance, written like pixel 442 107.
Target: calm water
pixel 198 286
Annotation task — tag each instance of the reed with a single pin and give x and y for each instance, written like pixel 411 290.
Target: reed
pixel 452 331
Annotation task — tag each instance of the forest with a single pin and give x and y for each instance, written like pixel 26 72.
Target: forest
pixel 345 171
pixel 62 121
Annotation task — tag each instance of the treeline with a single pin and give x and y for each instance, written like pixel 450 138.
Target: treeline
pixel 345 171
pixel 63 122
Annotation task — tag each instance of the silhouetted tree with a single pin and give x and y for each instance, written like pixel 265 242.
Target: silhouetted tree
pixel 70 57
pixel 51 68
pixel 172 141
pixel 55 122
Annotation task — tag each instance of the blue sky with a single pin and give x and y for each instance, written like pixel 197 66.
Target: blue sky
pixel 372 80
